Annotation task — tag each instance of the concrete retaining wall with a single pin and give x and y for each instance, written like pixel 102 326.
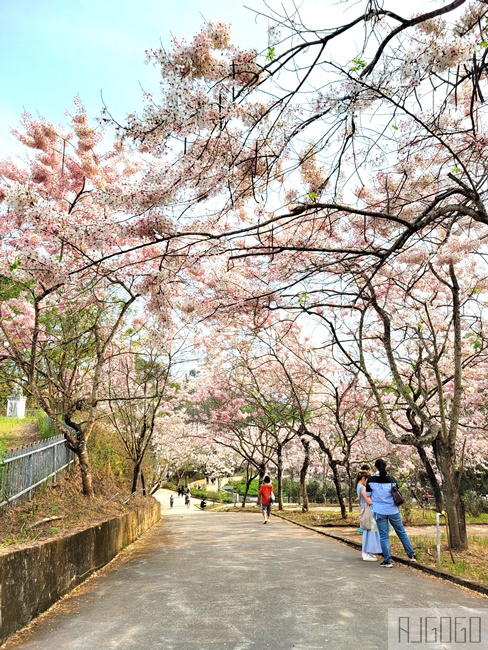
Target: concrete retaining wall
pixel 32 578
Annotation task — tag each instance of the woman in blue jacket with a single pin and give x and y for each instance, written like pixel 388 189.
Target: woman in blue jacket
pixel 379 488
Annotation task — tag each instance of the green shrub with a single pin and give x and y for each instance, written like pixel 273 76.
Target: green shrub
pixel 407 508
pixel 45 427
pixel 106 454
pixel 168 485
pixel 3 447
pixel 213 495
pixel 240 486
pixel 291 489
pixel 199 494
pixel 315 491
pixel 474 504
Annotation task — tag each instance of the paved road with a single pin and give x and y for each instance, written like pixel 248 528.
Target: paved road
pixel 215 581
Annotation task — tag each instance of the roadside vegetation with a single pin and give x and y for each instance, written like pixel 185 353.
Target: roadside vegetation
pixel 471 564
pixel 61 506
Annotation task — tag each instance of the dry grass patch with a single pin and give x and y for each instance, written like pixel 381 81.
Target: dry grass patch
pixel 471 564
pixel 320 517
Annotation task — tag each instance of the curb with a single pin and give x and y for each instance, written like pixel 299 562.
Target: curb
pixel 462 582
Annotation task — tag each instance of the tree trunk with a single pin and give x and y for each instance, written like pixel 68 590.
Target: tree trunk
pixel 349 486
pixel 76 440
pixel 436 488
pixel 249 480
pixel 333 464
pixel 279 466
pixel 452 496
pixel 135 475
pixel 303 473
pixel 337 483
pixel 86 476
pixel 262 474
pixel 324 480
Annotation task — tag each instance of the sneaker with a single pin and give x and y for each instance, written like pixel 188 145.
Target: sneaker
pixel 413 558
pixel 359 530
pixel 387 565
pixel 367 557
pixel 265 521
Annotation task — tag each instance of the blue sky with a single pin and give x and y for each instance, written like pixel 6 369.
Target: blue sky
pixel 53 50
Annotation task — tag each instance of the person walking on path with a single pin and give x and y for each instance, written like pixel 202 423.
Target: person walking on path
pixel 267 498
pixel 187 499
pixel 171 501
pixel 379 489
pixel 371 540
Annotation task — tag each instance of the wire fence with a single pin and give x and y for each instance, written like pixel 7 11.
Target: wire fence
pixel 25 469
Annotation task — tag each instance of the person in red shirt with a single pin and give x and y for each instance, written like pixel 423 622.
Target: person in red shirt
pixel 267 498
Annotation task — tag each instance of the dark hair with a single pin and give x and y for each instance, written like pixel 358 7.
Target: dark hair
pixel 381 467
pixel 365 468
pixel 267 479
pixel 361 475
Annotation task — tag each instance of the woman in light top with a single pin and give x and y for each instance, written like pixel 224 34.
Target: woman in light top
pixel 371 539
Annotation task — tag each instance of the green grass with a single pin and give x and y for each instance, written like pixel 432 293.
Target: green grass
pixel 8 426
pixel 482 518
pixel 12 430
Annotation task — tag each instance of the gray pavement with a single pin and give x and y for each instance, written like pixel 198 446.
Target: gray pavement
pixel 226 581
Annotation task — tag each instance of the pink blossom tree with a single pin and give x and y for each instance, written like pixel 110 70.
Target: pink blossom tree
pixel 59 312
pixel 420 342
pixel 143 389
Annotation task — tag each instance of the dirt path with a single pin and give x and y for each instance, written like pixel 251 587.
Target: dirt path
pixel 22 434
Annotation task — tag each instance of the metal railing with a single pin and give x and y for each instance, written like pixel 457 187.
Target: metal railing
pixel 24 469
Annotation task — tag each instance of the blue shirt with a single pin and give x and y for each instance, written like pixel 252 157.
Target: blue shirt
pixel 379 489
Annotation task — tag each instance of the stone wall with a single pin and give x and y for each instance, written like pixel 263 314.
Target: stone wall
pixel 34 577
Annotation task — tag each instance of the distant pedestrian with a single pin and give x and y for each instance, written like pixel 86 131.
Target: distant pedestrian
pixel 379 489
pixel 187 499
pixel 203 504
pixel 171 501
pixel 371 539
pixel 267 498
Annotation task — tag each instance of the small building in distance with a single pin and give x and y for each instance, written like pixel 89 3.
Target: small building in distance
pixel 16 406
